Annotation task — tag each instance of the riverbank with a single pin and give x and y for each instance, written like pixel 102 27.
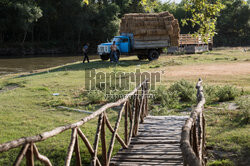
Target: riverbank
pixel 31 107
pixel 38 49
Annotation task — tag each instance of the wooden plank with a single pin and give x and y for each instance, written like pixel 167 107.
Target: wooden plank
pixel 155 142
pixel 150 146
pixel 144 164
pixel 158 138
pixel 149 153
pixel 141 158
pixel 160 130
pixel 168 150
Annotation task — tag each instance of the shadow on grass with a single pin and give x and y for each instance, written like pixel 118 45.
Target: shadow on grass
pixel 88 66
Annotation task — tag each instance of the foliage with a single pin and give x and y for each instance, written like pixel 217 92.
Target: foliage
pixel 226 162
pixel 204 14
pixel 185 90
pixel 95 97
pixel 149 5
pixel 233 26
pixel 167 99
pixel 227 93
pixel 243 116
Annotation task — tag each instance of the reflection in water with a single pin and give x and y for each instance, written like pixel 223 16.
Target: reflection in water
pixel 28 64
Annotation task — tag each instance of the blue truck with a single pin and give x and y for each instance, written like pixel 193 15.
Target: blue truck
pixel 127 45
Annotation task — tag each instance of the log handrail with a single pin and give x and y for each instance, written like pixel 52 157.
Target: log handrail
pixel 193 133
pixel 134 106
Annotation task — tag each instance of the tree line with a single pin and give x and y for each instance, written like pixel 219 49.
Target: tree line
pixel 72 22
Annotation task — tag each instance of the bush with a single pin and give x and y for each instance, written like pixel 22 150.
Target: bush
pixel 210 93
pixel 166 98
pixel 243 116
pixel 185 90
pixel 227 93
pixel 221 163
pixel 96 97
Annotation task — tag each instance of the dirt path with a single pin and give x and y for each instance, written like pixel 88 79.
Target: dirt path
pixel 230 69
pixel 237 74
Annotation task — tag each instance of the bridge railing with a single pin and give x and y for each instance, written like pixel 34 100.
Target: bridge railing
pixel 134 109
pixel 193 133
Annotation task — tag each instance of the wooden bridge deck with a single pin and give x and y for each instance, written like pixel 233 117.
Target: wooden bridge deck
pixel 157 143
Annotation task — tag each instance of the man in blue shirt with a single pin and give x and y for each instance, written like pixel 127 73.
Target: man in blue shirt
pixel 85 52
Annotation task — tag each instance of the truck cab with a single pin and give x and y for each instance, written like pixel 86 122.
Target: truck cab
pixel 123 45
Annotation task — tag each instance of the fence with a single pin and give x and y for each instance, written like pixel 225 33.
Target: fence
pixel 134 107
pixel 193 133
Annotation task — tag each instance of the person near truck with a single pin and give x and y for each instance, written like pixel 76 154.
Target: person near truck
pixel 85 52
pixel 113 55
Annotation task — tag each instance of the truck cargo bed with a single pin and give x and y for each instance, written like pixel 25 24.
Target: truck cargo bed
pixel 151 44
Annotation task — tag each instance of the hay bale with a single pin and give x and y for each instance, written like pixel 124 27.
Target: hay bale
pixel 169 18
pixel 140 32
pixel 150 18
pixel 151 24
pixel 169 29
pixel 155 37
pixel 151 32
pixel 164 14
pixel 175 22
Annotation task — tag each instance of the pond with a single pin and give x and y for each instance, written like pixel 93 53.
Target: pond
pixel 28 64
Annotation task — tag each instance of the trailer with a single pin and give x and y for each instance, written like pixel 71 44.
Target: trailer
pixel 190 44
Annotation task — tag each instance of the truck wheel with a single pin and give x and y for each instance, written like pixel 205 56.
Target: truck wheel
pixel 104 57
pixel 153 55
pixel 141 56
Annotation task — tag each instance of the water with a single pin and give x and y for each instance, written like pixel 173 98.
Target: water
pixel 28 64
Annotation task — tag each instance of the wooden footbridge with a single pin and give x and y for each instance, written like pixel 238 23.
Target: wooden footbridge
pixel 146 140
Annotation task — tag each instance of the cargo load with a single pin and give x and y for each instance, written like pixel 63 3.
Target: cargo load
pixel 151 26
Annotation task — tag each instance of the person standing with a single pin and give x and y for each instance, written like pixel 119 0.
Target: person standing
pixel 114 53
pixel 85 52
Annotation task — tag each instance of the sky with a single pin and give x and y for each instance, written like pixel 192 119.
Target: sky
pixel 177 1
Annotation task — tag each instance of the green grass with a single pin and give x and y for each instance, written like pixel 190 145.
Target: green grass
pixel 31 108
pixel 228 130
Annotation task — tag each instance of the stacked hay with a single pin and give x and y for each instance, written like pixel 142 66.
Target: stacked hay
pixel 153 26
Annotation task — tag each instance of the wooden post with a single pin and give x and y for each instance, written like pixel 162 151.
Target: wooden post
pixel 30 156
pixel 126 124
pixel 119 139
pixel 77 152
pixel 103 139
pixel 97 136
pixel 111 146
pixel 40 157
pixel 132 123
pixel 87 143
pixel 21 155
pixel 71 146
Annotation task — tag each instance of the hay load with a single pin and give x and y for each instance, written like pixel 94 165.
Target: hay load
pixel 151 26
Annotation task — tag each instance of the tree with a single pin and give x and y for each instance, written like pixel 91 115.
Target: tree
pixel 233 25
pixel 204 15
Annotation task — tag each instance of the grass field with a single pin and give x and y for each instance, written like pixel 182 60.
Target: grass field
pixel 28 107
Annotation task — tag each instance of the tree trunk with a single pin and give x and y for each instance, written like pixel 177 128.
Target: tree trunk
pixel 24 36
